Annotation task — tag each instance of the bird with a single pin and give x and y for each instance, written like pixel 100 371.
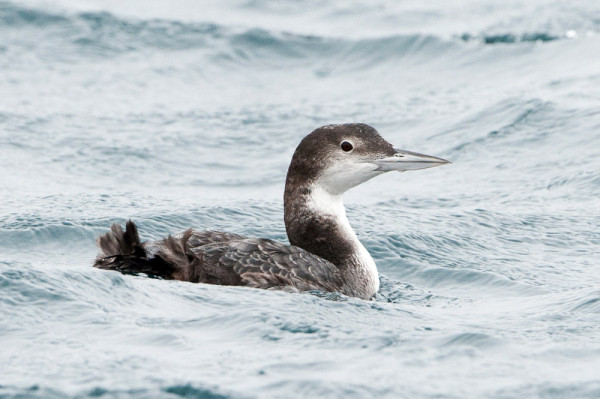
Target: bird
pixel 324 254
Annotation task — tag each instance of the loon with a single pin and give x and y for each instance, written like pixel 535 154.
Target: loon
pixel 325 253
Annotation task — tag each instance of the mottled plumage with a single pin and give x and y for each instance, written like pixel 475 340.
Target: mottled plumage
pixel 218 258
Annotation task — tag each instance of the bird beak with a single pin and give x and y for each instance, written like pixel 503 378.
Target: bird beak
pixel 405 160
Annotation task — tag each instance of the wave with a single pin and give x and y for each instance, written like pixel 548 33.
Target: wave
pixel 509 117
pixel 14 15
pixel 184 391
pixel 510 38
pixel 106 35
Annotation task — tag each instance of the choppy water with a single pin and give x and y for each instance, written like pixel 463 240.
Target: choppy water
pixel 177 114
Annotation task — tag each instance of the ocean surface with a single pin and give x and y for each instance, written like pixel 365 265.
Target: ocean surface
pixel 182 114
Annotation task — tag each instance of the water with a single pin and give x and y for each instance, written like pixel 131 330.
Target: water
pixel 177 114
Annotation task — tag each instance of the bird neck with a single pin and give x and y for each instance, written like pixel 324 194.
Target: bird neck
pixel 316 221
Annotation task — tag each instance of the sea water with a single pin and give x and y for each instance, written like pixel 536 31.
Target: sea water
pixel 181 114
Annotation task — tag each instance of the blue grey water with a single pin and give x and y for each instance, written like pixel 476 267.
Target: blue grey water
pixel 180 114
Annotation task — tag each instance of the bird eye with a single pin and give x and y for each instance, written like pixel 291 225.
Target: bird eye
pixel 346 146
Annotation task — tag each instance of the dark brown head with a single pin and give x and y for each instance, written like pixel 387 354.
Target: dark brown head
pixel 339 157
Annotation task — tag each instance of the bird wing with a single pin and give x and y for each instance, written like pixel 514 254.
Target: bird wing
pixel 210 237
pixel 264 263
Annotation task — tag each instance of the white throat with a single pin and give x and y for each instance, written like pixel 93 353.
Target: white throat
pixel 332 205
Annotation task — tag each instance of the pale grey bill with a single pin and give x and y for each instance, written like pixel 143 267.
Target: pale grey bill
pixel 404 160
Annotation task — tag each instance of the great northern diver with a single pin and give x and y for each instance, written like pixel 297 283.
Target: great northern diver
pixel 324 254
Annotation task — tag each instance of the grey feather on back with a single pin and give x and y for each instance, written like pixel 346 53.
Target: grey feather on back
pixel 263 263
pixel 215 257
